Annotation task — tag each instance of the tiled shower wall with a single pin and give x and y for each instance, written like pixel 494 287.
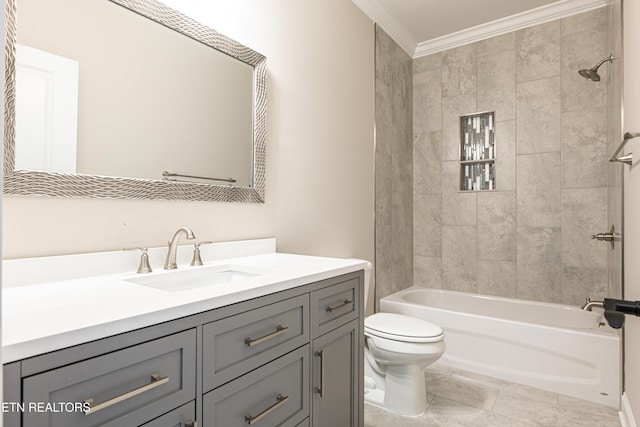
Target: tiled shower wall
pixel 531 238
pixel 393 163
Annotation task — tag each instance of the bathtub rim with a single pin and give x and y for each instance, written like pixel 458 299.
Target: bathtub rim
pixel 602 328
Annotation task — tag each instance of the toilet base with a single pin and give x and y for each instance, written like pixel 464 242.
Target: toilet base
pixel 401 389
pixel 377 399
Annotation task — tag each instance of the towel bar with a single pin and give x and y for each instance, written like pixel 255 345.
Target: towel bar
pixel 627 158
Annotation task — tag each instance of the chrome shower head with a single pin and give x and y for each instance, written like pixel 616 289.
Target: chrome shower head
pixel 592 73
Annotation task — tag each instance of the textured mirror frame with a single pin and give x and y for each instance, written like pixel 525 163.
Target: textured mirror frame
pixel 55 184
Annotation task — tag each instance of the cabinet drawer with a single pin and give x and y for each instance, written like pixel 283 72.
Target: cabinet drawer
pixel 183 416
pixel 276 394
pixel 128 387
pixel 240 343
pixel 334 306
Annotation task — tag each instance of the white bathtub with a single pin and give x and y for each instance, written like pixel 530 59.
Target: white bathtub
pixel 554 347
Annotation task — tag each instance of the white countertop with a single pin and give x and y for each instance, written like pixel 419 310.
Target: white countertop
pixel 47 316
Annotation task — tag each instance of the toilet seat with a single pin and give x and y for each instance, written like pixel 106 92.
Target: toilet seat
pixel 398 327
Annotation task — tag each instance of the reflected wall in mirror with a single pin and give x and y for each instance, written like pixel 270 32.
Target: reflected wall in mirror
pixel 142 103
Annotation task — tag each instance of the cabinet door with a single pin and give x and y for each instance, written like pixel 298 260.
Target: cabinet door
pixel 335 375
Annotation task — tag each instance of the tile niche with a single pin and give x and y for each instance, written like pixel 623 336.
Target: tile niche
pixel 477 152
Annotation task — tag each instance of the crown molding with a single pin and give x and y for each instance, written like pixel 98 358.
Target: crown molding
pixel 498 27
pixel 379 14
pixel 561 9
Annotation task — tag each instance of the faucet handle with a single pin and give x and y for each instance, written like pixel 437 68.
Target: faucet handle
pixel 197 260
pixel 144 266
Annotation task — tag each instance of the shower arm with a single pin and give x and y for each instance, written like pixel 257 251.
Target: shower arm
pixel 608 58
pixel 627 159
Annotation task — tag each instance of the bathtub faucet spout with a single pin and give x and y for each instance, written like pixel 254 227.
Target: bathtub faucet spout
pixel 588 304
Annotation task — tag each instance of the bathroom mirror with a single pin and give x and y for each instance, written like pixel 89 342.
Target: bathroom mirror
pixel 156 105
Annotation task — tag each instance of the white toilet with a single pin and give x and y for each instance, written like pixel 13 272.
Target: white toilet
pixel 397 349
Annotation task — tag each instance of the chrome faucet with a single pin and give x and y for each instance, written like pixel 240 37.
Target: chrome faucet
pixel 170 262
pixel 588 304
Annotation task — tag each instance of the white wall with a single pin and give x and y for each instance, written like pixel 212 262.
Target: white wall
pixel 632 200
pixel 319 191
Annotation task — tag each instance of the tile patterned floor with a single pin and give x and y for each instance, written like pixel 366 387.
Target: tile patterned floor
pixel 461 398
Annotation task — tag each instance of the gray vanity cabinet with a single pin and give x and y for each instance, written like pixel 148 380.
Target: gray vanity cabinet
pixel 290 359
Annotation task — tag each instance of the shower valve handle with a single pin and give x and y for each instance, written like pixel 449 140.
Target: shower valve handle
pixel 607 237
pixel 610 237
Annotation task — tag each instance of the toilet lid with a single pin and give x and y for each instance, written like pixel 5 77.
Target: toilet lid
pixel 402 328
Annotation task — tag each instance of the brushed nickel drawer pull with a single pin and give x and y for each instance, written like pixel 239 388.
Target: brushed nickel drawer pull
pixel 156 381
pixel 279 331
pixel 320 390
pixel 337 307
pixel 280 400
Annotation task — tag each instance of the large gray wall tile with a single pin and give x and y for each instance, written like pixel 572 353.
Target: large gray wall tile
pixel 431 63
pixel 402 256
pixel 539 121
pixel 427 163
pixel 427 271
pixel 579 283
pixel 538 52
pixel 539 264
pixel 497 226
pixel 459 71
pixel 451 177
pixel 584 148
pixel 459 208
pixel 505 134
pixel 584 213
pixel 497 44
pixel 383 194
pixel 427 102
pixel 427 225
pixel 497 84
pixel 539 190
pixel 497 278
pixel 588 21
pixel 459 258
pixel 384 262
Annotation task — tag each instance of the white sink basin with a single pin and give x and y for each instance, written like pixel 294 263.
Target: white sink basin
pixel 197 277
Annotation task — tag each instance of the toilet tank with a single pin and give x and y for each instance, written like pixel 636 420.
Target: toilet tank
pixel 368 272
